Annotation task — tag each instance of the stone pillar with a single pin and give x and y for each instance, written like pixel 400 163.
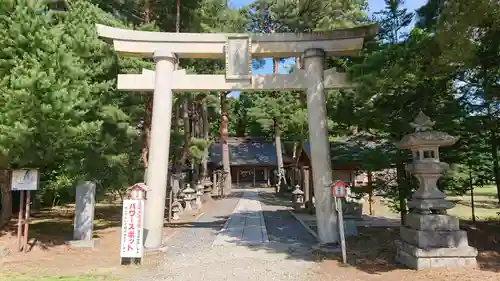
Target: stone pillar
pixel 159 146
pixel 320 148
pixel 84 215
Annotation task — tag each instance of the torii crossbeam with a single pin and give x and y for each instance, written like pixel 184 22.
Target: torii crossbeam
pixel 183 82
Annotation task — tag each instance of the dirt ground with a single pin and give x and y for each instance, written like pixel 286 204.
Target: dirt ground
pixel 371 257
pixel 51 256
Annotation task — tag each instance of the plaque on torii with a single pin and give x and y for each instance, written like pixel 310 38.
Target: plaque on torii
pixel 238 50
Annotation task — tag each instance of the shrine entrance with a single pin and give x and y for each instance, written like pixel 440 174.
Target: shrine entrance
pixel 238 50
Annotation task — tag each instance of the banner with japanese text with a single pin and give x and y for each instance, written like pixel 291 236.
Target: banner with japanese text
pixel 132 229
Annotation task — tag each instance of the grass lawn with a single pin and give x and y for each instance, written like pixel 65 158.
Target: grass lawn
pixel 488 191
pixel 485 203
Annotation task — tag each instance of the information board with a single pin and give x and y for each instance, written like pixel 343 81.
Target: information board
pixel 24 179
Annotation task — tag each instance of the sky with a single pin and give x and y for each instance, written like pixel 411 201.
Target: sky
pixel 373 6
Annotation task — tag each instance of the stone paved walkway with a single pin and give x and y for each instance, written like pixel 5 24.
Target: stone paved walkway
pixel 246 224
pixel 259 241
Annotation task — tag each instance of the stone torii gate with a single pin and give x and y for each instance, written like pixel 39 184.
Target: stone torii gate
pixel 238 50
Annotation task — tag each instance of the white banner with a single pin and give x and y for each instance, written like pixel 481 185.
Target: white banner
pixel 132 229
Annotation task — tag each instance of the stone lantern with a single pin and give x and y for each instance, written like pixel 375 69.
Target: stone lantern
pixel 176 209
pixel 298 198
pixel 199 193
pixel 207 184
pixel 430 238
pixel 189 197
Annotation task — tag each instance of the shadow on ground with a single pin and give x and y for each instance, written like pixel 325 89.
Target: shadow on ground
pixel 372 251
pixel 485 236
pixel 53 227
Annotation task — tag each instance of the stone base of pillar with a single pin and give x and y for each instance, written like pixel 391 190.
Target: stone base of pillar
pixel 434 241
pixel 92 243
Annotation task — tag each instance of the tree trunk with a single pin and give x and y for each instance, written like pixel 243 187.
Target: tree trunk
pixel 279 158
pixel 6 196
pixel 471 187
pixel 494 156
pixel 147 11
pixel 176 164
pixel 492 127
pixel 204 117
pixel 224 133
pixel 196 133
pixel 178 17
pixel 370 192
pixel 146 134
pixel 146 128
pixel 187 130
pixel 402 189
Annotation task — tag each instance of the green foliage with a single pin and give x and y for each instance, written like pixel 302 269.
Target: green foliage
pixel 393 19
pixel 197 149
pixel 306 16
pixel 278 109
pixel 444 74
pixel 287 110
pixel 60 110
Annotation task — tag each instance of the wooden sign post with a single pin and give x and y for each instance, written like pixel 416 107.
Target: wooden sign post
pixel 338 192
pixel 24 180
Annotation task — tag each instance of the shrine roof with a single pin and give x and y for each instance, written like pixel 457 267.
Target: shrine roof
pixel 246 152
pixel 360 150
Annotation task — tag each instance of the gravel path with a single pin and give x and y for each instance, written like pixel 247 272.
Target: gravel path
pixel 191 255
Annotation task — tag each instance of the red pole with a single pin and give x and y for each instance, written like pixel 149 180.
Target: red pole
pixel 26 220
pixel 20 221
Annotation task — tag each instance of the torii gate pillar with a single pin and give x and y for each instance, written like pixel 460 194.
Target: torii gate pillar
pixel 320 147
pixel 156 176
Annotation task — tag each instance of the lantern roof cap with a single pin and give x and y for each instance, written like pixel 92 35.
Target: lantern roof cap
pixel 188 189
pixel 425 135
pixel 297 191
